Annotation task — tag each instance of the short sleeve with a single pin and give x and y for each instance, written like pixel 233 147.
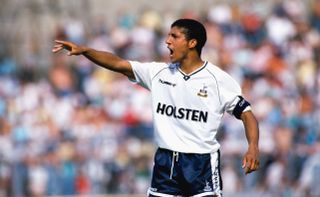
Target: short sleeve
pixel 230 93
pixel 145 72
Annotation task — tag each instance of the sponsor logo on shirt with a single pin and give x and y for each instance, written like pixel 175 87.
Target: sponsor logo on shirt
pixel 167 83
pixel 182 113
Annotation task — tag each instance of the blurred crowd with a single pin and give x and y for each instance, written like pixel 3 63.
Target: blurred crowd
pixel 76 128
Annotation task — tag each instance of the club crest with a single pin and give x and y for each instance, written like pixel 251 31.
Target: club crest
pixel 203 91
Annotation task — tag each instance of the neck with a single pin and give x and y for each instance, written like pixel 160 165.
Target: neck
pixel 189 65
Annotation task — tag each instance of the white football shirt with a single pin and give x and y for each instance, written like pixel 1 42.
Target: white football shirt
pixel 187 109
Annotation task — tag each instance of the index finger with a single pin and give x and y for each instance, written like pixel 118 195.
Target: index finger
pixel 60 41
pixel 65 44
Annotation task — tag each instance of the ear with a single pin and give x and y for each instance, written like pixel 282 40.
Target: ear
pixel 192 43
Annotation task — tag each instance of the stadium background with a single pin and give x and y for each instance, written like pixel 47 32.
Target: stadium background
pixel 69 128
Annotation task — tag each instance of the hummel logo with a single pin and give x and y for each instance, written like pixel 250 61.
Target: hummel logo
pixel 167 83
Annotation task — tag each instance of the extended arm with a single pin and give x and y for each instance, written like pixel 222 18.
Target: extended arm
pixel 251 158
pixel 104 59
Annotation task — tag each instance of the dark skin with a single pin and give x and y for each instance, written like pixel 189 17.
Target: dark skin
pixel 184 52
pixel 250 160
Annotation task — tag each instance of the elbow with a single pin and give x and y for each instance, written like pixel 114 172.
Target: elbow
pixel 124 67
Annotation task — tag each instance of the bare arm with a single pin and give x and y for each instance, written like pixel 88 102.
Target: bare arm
pixel 250 161
pixel 104 59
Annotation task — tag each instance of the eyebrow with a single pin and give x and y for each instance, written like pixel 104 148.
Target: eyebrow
pixel 172 34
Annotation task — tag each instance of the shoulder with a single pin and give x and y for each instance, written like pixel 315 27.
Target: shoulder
pixel 151 69
pixel 221 76
pixel 216 71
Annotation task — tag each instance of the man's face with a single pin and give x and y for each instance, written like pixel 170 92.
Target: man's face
pixel 177 44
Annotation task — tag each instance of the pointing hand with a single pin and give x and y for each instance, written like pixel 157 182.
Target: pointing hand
pixel 71 47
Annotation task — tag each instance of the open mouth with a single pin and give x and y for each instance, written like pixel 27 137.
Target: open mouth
pixel 171 51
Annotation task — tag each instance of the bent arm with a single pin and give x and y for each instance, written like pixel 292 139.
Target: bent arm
pixel 251 158
pixel 104 59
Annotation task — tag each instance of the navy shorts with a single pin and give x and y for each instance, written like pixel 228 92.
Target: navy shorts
pixel 186 174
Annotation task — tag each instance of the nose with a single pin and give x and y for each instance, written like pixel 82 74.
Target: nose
pixel 168 40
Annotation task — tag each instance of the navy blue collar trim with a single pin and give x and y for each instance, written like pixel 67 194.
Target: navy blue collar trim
pixel 187 77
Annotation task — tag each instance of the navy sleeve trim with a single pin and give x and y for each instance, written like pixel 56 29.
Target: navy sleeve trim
pixel 241 105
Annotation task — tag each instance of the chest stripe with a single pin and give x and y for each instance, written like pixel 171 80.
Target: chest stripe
pixel 218 90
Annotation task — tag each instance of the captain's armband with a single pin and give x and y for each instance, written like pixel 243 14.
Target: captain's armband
pixel 240 107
